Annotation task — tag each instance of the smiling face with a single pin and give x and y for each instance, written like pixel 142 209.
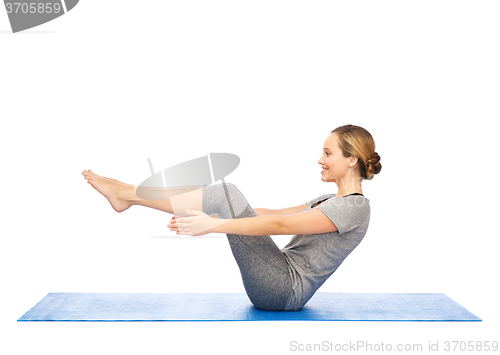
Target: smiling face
pixel 334 165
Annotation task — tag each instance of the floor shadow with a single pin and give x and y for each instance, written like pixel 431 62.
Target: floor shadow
pixel 26 32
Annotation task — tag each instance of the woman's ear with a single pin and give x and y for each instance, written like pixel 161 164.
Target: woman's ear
pixel 352 161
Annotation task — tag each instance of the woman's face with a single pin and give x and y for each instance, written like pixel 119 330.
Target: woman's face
pixel 334 164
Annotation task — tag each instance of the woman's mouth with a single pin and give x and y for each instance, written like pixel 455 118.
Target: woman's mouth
pixel 324 169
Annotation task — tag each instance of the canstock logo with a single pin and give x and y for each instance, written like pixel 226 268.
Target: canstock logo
pixel 189 176
pixel 29 14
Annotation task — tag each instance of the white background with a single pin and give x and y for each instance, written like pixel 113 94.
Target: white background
pixel 113 83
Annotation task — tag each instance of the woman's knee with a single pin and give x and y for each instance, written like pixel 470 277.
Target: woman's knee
pixel 226 200
pixel 232 190
pixel 237 202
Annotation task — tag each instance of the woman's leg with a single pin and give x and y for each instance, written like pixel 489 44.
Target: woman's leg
pixel 263 267
pixel 122 196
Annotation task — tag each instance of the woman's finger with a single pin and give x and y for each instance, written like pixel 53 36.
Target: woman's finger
pixel 182 226
pixel 184 220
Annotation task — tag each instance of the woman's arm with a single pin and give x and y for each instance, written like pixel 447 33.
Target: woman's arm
pixel 310 222
pixel 280 212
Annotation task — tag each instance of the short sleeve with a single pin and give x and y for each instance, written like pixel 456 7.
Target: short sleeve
pixel 346 213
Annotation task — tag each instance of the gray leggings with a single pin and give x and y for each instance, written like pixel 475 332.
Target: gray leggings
pixel 264 269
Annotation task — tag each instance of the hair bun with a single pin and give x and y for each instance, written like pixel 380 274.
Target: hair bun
pixel 373 166
pixel 374 160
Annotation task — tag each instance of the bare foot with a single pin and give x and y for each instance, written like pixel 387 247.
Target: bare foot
pixel 114 190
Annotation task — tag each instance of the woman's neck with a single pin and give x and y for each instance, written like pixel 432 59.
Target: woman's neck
pixel 347 186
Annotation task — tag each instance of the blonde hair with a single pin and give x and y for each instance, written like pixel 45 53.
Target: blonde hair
pixel 355 141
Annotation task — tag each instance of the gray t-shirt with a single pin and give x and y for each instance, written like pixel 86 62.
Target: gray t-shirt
pixel 314 257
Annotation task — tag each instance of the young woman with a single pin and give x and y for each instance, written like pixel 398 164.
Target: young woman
pixel 326 229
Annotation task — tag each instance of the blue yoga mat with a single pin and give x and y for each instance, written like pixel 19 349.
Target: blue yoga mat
pixel 324 306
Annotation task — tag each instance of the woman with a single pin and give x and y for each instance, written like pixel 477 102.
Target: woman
pixel 326 229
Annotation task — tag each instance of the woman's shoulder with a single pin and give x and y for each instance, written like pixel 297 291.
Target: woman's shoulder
pixel 349 205
pixel 320 199
pixel 347 212
pixel 354 203
pixel 359 200
pixel 326 196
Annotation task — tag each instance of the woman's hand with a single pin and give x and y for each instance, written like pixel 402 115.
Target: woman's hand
pixel 198 223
